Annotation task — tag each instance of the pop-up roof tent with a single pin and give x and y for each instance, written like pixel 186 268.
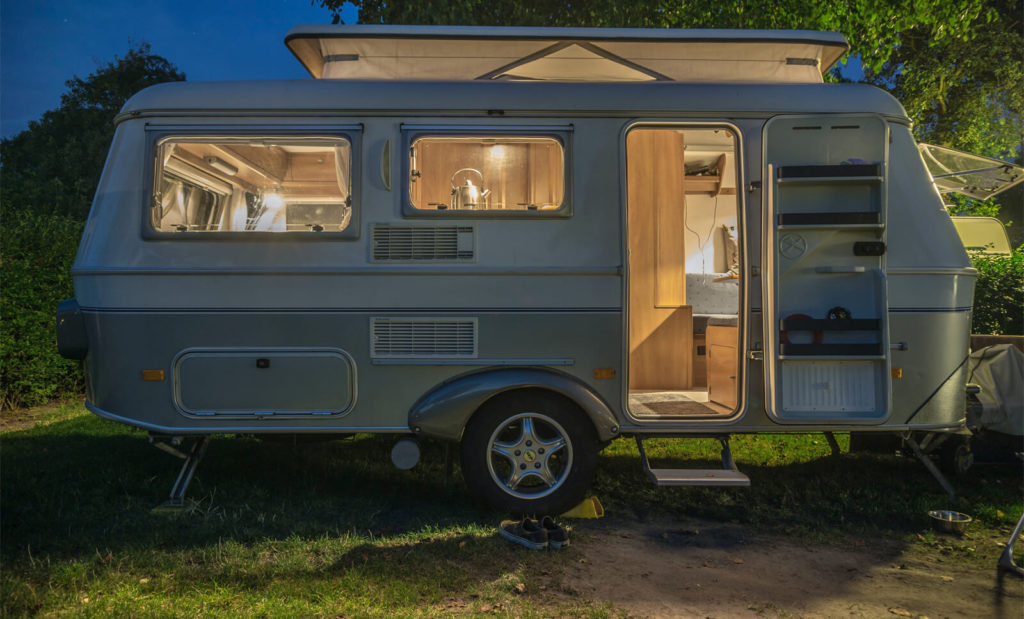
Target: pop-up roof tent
pixel 462 53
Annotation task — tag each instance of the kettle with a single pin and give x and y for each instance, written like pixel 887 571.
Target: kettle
pixel 469 196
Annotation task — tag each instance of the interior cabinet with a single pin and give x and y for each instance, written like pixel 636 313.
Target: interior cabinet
pixel 722 365
pixel 660 322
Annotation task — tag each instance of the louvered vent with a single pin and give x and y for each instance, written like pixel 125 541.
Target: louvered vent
pixel 423 243
pixel 423 337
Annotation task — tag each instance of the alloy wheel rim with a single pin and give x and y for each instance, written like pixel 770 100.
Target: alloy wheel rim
pixel 529 455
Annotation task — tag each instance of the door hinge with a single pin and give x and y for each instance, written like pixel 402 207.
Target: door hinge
pixel 754 186
pixel 756 355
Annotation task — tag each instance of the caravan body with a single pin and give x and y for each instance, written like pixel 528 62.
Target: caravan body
pixel 531 241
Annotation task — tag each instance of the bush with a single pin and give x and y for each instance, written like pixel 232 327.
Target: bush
pixel 36 253
pixel 999 294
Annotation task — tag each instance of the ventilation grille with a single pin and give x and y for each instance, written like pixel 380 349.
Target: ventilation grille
pixel 423 243
pixel 423 337
pixel 829 386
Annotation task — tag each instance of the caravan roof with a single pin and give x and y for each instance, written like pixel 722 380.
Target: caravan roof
pixel 462 53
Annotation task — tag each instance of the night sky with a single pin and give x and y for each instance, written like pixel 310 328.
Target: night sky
pixel 43 43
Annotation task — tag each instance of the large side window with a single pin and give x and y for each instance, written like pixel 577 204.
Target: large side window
pixel 490 173
pixel 252 184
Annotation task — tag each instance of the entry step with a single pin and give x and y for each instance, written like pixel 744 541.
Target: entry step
pixel 698 477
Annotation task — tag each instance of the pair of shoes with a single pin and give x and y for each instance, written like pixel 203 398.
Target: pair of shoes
pixel 558 537
pixel 533 534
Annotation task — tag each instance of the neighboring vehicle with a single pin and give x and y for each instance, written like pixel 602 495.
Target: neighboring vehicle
pixel 526 241
pixel 983 234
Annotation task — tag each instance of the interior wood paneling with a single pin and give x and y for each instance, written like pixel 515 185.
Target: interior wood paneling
pixel 660 324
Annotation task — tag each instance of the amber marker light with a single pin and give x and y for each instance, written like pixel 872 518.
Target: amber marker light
pixel 152 374
pixel 604 373
pixel 897 372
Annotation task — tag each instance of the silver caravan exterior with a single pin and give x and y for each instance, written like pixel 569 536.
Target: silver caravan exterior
pixel 661 257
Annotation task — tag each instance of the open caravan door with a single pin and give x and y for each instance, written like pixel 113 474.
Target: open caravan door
pixel 825 307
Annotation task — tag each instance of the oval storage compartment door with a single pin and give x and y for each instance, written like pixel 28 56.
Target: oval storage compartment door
pixel 264 382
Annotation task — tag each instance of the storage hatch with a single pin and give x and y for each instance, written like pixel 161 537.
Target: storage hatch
pixel 247 382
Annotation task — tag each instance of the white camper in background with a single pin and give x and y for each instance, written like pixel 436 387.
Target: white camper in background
pixel 525 241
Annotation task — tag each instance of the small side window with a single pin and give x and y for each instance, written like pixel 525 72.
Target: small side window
pixel 252 184
pixel 489 173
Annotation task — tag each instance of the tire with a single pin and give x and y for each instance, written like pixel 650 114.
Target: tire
pixel 544 438
pixel 874 442
pixel 956 457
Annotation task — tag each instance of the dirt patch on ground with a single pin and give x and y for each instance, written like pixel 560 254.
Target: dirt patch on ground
pixel 701 569
pixel 14 420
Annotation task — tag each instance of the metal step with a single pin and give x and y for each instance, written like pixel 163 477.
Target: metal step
pixel 698 477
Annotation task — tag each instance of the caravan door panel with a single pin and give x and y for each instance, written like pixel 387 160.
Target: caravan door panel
pixel 825 292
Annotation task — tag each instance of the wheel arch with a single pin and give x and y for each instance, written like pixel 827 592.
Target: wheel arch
pixel 445 410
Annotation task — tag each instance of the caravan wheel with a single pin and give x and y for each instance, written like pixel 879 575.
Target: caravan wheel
pixel 529 453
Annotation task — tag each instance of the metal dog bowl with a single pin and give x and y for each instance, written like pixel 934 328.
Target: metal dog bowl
pixel 949 521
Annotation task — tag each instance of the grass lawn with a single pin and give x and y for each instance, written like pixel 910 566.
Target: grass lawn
pixel 332 529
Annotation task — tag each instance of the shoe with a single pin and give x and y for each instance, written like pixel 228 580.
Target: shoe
pixel 525 532
pixel 558 537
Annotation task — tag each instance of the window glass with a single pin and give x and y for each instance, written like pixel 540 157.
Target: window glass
pixel 253 184
pixel 486 173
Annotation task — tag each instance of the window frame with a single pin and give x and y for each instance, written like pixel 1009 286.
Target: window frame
pixel 561 134
pixel 156 137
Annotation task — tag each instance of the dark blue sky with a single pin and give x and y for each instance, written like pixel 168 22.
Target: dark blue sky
pixel 43 43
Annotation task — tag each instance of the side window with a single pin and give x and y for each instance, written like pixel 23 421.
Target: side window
pixel 252 184
pixel 489 173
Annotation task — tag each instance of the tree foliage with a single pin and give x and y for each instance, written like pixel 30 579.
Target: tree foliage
pixel 955 65
pixel 50 172
pixel 53 167
pixel 874 28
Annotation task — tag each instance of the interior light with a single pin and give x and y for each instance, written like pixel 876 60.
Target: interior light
pixel 273 201
pixel 497 151
pixel 220 165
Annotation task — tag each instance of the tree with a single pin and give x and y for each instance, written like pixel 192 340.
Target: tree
pixel 53 167
pixel 955 65
pixel 873 28
pixel 966 94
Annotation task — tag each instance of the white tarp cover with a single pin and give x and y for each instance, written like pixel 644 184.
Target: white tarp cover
pixel 564 54
pixel 999 371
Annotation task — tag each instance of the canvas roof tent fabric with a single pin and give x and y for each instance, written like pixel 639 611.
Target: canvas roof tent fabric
pixel 463 53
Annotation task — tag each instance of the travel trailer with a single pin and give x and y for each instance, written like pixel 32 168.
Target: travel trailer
pixel 527 242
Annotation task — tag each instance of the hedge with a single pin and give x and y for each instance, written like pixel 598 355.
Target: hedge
pixel 999 294
pixel 36 253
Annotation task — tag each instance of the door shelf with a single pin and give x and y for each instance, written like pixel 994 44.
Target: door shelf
pixel 830 179
pixel 832 357
pixel 873 349
pixel 826 324
pixel 876 227
pixel 849 173
pixel 829 219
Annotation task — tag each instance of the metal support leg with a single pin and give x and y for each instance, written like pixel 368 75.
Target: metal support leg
pixel 177 497
pixel 832 444
pixel 1006 559
pixel 928 464
pixel 447 463
pixel 727 461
